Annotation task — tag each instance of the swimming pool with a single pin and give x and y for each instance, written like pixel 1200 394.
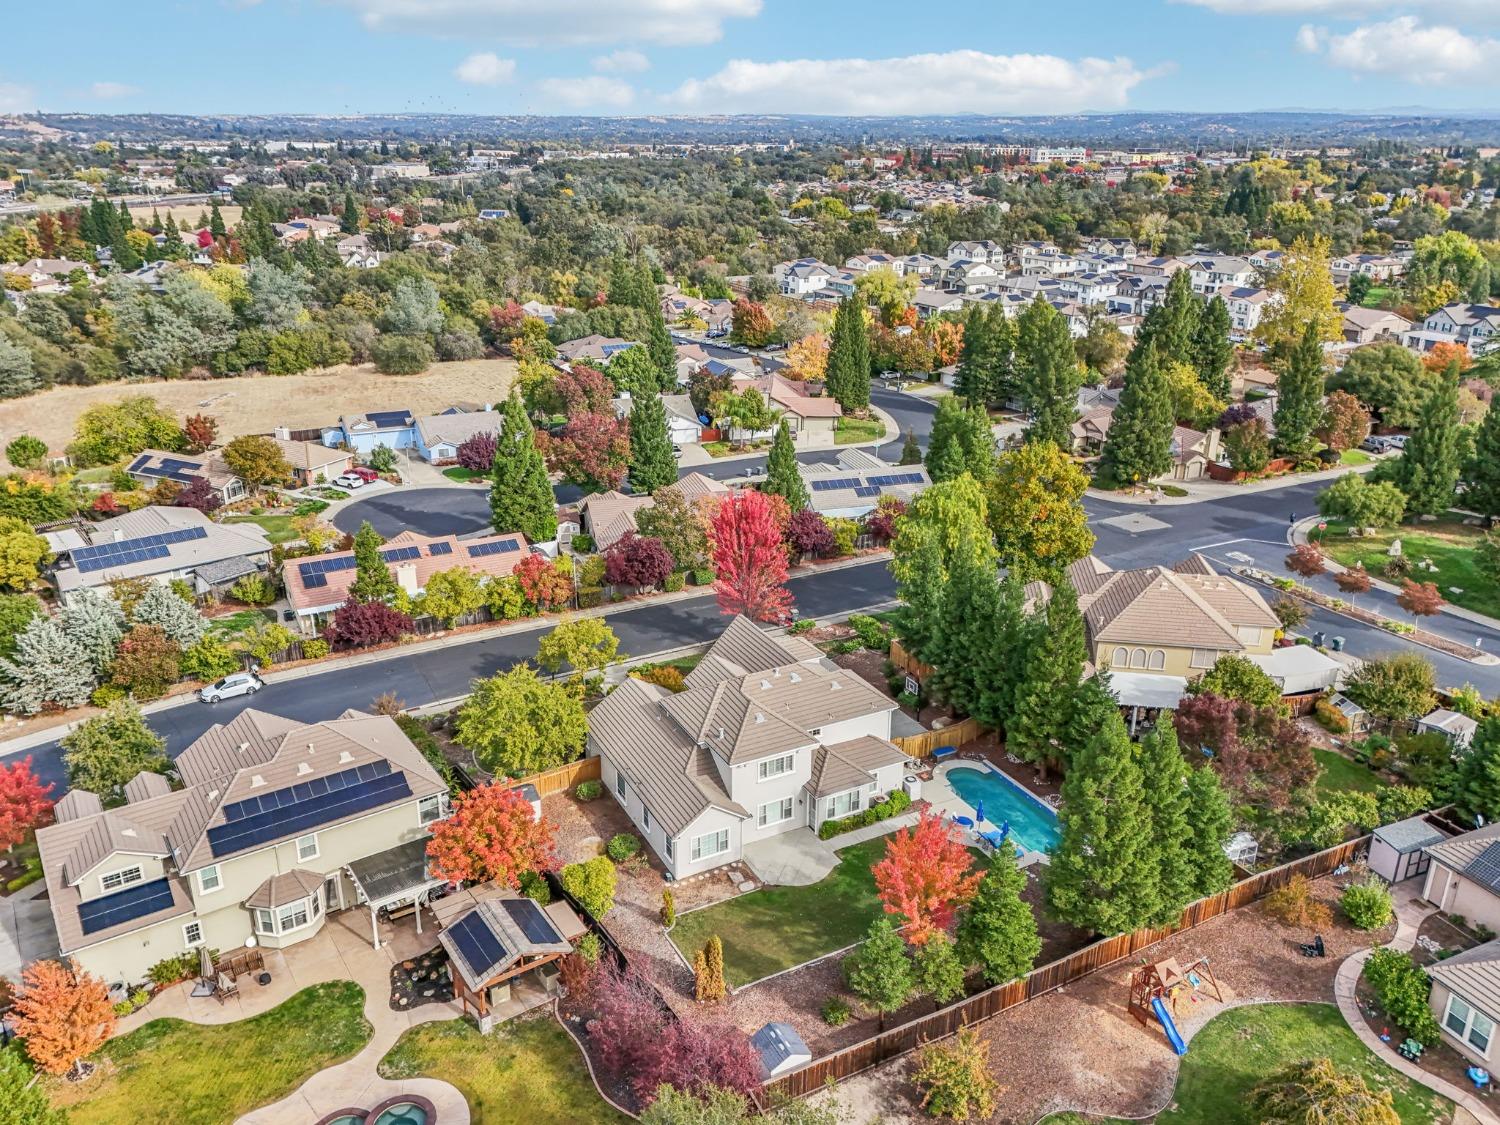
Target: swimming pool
pixel 1033 826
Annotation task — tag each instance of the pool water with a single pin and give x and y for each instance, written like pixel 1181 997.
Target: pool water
pixel 1033 826
pixel 406 1114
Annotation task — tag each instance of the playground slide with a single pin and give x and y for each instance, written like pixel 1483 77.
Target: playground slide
pixel 1168 1026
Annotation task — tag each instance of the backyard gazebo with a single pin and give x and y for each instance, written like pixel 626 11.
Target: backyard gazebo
pixel 393 878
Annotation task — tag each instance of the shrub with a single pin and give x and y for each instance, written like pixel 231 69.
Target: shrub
pixel 954 1077
pixel 592 883
pixel 422 739
pixel 801 625
pixel 1402 987
pixel 582 543
pixel 674 582
pixel 124 1008
pixel 314 649
pixel 310 508
pixel 622 847
pixel 872 634
pixel 1294 905
pixel 668 908
pixel 590 597
pixel 254 589
pixel 208 660
pixel 534 886
pixel 893 805
pixel 703 576
pixel 1330 717
pixel 835 1011
pixel 589 947
pixel 666 676
pixel 1368 904
pixel 105 694
pixel 401 355
pixel 588 790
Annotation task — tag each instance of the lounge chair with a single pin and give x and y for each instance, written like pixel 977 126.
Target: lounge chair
pixel 225 987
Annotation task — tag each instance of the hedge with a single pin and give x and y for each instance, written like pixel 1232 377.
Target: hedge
pixel 894 805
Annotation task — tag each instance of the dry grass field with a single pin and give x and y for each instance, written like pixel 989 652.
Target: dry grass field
pixel 185 214
pixel 259 403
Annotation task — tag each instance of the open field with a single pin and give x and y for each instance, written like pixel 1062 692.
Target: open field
pixel 258 403
pixel 185 214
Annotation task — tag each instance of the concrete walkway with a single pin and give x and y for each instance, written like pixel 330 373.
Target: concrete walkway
pixel 1410 911
pixel 27 933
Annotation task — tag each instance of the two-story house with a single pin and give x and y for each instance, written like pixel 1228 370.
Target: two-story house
pixel 804 277
pixel 1210 274
pixel 770 737
pixel 1470 325
pixel 270 832
pixel 966 276
pixel 983 250
pixel 1246 304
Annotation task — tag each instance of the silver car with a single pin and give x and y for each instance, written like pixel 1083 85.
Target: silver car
pixel 236 683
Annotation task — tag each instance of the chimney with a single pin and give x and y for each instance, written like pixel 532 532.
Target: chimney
pixel 406 578
pixel 282 432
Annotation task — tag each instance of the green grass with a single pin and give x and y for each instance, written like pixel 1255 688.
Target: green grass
pixel 1449 544
pixel 847 431
pixel 277 528
pixel 1354 457
pixel 1246 1045
pixel 211 1074
pixel 234 624
pixel 460 474
pixel 776 928
pixel 100 474
pixel 1340 775
pixel 729 449
pixel 528 1070
pixel 1377 296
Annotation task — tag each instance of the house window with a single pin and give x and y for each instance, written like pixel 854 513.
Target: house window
pixel 116 880
pixel 1204 657
pixel 294 916
pixel 843 804
pixel 264 922
pixel 1120 658
pixel 1138 658
pixel 209 879
pixel 645 819
pixel 774 812
pixel 430 809
pixel 669 847
pixel 1158 660
pixel 192 934
pixel 710 844
pixel 1468 1023
pixel 775 767
pixel 307 847
pixel 621 786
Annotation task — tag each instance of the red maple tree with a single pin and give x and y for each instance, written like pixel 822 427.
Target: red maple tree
pixel 1354 580
pixel 201 431
pixel 23 802
pixel 63 1015
pixel 1420 599
pixel 925 875
pixel 542 584
pixel 492 834
pixel 361 624
pixel 750 563
pixel 1306 560
pixel 637 560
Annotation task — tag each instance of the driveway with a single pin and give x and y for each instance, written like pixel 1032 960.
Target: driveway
pixel 27 933
pixel 429 511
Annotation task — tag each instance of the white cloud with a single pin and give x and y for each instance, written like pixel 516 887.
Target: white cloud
pixel 16 98
pixel 527 23
pixel 1405 49
pixel 1311 39
pixel 952 82
pixel 485 68
pixel 108 90
pixel 589 92
pixel 1482 11
pixel 622 62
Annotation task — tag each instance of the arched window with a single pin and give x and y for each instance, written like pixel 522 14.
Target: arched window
pixel 1120 658
pixel 1138 658
pixel 1158 659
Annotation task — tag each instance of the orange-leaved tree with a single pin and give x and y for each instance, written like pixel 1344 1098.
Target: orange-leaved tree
pixel 492 834
pixel 63 1015
pixel 750 564
pixel 925 876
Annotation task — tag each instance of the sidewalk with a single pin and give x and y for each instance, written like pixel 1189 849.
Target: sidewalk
pixel 1409 914
pixel 1201 491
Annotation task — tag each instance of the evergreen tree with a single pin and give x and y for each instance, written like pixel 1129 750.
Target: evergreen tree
pixel 349 221
pixel 1428 469
pixel 879 972
pixel 911 452
pixel 1173 325
pixel 937 969
pixel 216 221
pixel 95 622
pixel 1299 396
pixel 1482 473
pixel 1210 821
pixel 1049 684
pixel 652 465
pixel 123 256
pixel 372 578
pixel 782 478
pixel 1138 446
pixel 998 930
pixel 662 351
pixel 1164 777
pixel 47 667
pixel 961 442
pixel 848 378
pixel 1004 380
pixel 1047 372
pixel 1102 875
pixel 1477 790
pixel 1212 349
pixel 976 361
pixel 178 618
pixel 970 658
pixel 621 289
pixel 521 497
pixel 126 222
pixel 1093 703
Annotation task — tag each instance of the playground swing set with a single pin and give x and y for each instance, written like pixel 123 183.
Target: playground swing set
pixel 1157 990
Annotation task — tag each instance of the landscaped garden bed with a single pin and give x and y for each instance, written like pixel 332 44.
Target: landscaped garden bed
pixel 1448 544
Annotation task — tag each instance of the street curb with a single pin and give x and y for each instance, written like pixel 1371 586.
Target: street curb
pixel 1275 484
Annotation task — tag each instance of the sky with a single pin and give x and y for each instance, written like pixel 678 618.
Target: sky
pixel 860 57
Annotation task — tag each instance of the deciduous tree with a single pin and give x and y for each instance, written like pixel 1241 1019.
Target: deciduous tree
pixel 1263 757
pixel 515 723
pixel 925 876
pixel 808 533
pixel 1420 599
pixel 637 560
pixel 492 834
pixel 1236 677
pixel 1307 294
pixel 24 804
pixel 1306 560
pixel 477 453
pixel 681 528
pixel 200 432
pixel 750 565
pixel 62 1016
pixel 1345 422
pixel 587 645
pixel 1361 502
pixel 361 624
pixel 1299 394
pixel 452 594
pixel 257 460
pixel 1388 379
pixel 1036 511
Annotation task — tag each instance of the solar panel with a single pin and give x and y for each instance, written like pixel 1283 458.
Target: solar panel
pixel 907 478
pixel 479 945
pixel 314 581
pixel 498 547
pixel 387 419
pixel 440 548
pixel 121 558
pixel 138 462
pixel 531 921
pixel 401 554
pixel 291 811
pixel 832 485
pixel 867 490
pixel 1485 867
pixel 124 906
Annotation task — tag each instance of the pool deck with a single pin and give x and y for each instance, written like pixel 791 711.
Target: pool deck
pixel 940 794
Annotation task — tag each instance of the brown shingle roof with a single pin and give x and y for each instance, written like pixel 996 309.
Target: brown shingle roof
pixel 288 886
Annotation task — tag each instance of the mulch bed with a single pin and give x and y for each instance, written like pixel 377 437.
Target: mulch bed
pixel 1439 931
pixel 869 666
pixel 421 980
pixel 1439 1060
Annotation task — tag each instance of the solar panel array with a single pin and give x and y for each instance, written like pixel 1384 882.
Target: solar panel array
pixel 531 921
pixel 498 547
pixel 293 810
pixel 834 485
pixel 401 554
pixel 389 419
pixel 170 467
pixel 102 556
pixel 124 906
pixel 895 478
pixel 477 944
pixel 439 549
pixel 1485 867
pixel 867 490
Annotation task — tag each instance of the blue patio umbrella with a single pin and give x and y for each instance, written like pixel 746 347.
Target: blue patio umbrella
pixel 979 812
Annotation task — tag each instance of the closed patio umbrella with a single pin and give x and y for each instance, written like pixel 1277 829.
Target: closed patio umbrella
pixel 205 964
pixel 979 812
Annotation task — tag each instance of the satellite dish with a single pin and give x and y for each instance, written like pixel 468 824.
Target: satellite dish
pixel 250 942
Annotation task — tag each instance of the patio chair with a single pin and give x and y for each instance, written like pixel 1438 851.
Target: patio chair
pixel 224 988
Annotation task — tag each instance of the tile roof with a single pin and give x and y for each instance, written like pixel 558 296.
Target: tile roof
pixel 1460 851
pixel 1194 607
pixel 285 887
pixel 108 834
pixel 455 429
pixel 1474 974
pixel 310 456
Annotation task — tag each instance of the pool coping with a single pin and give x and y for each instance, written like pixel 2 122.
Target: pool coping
pixel 940 772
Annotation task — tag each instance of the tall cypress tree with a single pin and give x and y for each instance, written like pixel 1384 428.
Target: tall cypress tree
pixel 976 361
pixel 998 931
pixel 1299 396
pixel 1005 383
pixel 848 379
pixel 1164 778
pixel 621 288
pixel 1047 371
pixel 349 222
pixel 1102 875
pixel 126 222
pixel 216 221
pixel 911 452
pixel 1482 473
pixel 372 578
pixel 1044 699
pixel 1177 327
pixel 662 351
pixel 782 478
pixel 652 465
pixel 1428 469
pixel 945 453
pixel 1212 349
pixel 1211 821
pixel 1138 446
pixel 521 496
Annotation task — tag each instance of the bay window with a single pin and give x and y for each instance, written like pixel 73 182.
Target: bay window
pixel 843 804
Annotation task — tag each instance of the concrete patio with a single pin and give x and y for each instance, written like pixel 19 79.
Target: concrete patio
pixel 792 859
pixel 27 932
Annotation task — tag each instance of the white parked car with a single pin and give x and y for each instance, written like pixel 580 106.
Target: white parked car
pixel 236 683
pixel 349 481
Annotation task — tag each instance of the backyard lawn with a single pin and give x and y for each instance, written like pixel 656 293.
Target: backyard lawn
pixel 1449 544
pixel 277 528
pixel 528 1070
pixel 1245 1045
pixel 1340 775
pixel 847 431
pixel 211 1074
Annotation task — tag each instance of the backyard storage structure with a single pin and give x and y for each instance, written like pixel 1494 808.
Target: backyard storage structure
pixel 1300 669
pixel 780 1049
pixel 1396 851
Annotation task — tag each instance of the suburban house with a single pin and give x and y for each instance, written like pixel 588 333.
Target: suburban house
pixel 1465 998
pixel 361 433
pixel 1246 305
pixel 606 516
pixel 596 349
pixel 1377 267
pixel 49 275
pixel 804 277
pixel 318 585
pixel 1470 325
pixel 1370 326
pixel 312 462
pixel 930 302
pixel 436 437
pixel 852 486
pixel 152 466
pixel 814 415
pixel 1465 876
pixel 770 737
pixel 1211 274
pixel 272 829
pixel 683 424
pixel 160 543
pixel 1193 451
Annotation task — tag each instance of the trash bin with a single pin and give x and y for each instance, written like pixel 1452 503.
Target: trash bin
pixel 1337 644
pixel 1320 639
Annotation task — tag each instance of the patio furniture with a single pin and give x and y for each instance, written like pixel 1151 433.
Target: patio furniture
pixel 264 978
pixel 963 821
pixel 943 752
pixel 224 987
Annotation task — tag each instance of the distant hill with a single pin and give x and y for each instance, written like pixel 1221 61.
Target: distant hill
pixel 1128 130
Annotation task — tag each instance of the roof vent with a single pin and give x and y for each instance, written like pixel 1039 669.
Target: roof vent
pixel 256 781
pixel 721 733
pixel 244 746
pixel 310 747
pixel 345 756
pixel 796 679
pixel 765 685
pixel 834 685
pixel 759 718
pixel 128 832
pixel 213 794
pixel 303 768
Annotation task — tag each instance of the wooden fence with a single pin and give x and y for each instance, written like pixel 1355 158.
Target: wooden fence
pixel 992 1001
pixel 909 663
pixel 565 777
pixel 921 745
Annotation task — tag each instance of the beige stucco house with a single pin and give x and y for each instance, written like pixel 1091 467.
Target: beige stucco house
pixel 277 823
pixel 1465 876
pixel 1465 998
pixel 770 737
